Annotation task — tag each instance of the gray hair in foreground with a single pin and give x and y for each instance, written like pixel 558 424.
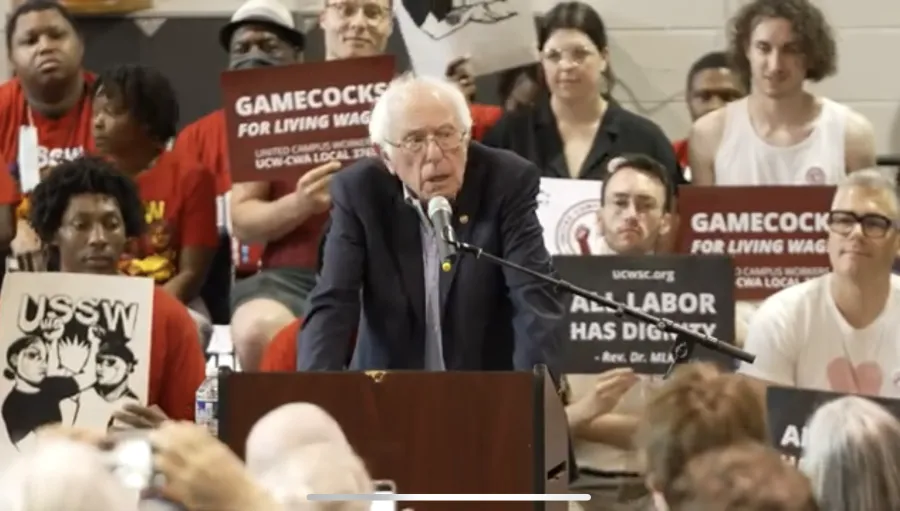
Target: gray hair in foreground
pixel 384 111
pixel 61 475
pixel 317 469
pixel 287 428
pixel 874 179
pixel 852 456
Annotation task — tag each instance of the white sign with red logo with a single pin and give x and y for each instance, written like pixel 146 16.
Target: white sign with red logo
pixel 568 209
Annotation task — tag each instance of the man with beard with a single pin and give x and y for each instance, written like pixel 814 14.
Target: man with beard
pixel 46 109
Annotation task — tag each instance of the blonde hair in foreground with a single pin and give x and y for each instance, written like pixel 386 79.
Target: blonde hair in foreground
pixel 699 409
pixel 852 456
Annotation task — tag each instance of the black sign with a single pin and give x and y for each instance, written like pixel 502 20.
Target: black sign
pixel 696 291
pixel 789 410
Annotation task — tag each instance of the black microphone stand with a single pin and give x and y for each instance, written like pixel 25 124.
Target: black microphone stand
pixel 685 338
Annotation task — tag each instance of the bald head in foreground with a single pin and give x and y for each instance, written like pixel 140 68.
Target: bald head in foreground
pixel 411 313
pixel 288 428
pixel 299 449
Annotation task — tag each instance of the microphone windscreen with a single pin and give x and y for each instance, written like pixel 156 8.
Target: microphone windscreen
pixel 439 204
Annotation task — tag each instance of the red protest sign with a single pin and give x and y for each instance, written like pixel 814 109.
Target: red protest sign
pixel 777 235
pixel 282 121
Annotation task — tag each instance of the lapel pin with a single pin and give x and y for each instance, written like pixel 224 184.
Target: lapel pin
pixel 464 219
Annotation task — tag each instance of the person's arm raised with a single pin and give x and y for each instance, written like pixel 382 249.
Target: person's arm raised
pixel 255 218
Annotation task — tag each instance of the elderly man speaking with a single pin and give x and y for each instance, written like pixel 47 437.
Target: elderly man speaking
pixel 381 253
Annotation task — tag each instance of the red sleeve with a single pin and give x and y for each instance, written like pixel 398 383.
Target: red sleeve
pixel 9 190
pixel 681 152
pixel 281 353
pixel 183 366
pixel 483 118
pixel 187 143
pixel 198 227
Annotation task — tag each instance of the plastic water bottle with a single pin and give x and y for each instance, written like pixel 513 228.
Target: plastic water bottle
pixel 206 412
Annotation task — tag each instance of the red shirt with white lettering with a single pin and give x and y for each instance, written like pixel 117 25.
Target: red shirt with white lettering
pixel 60 139
pixel 179 197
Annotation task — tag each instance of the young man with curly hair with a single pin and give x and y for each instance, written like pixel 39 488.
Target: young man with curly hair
pixel 781 134
pixel 88 210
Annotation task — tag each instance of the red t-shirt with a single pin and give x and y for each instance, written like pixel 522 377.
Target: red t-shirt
pixel 300 247
pixel 483 118
pixel 60 139
pixel 281 353
pixel 205 140
pixel 177 364
pixel 179 198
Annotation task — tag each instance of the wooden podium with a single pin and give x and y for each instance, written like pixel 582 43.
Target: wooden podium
pixel 429 432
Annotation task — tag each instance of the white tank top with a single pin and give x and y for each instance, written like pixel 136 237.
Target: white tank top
pixel 744 159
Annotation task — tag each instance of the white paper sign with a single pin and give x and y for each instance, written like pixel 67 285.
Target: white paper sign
pixel 567 209
pixel 495 34
pixel 74 346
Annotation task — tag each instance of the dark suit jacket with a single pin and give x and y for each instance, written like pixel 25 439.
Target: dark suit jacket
pixel 372 275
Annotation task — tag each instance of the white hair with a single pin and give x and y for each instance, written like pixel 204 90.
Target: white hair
pixel 852 457
pixel 384 111
pixel 61 475
pixel 317 469
pixel 287 428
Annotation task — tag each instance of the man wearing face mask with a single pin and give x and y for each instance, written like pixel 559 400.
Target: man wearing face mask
pixel 286 216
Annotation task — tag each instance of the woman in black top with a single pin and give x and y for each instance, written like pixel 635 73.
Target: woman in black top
pixel 572 130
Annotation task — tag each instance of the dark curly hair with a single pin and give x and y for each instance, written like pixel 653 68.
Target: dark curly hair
pixel 814 35
pixel 147 94
pixel 85 175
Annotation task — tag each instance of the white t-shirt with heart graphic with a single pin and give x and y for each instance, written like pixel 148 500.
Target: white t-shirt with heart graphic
pixel 800 339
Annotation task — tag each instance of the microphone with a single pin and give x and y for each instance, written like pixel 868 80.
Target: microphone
pixel 441 214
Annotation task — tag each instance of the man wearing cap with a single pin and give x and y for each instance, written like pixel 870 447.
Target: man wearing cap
pixel 285 216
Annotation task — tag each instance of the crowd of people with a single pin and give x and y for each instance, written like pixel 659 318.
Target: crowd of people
pixel 351 273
